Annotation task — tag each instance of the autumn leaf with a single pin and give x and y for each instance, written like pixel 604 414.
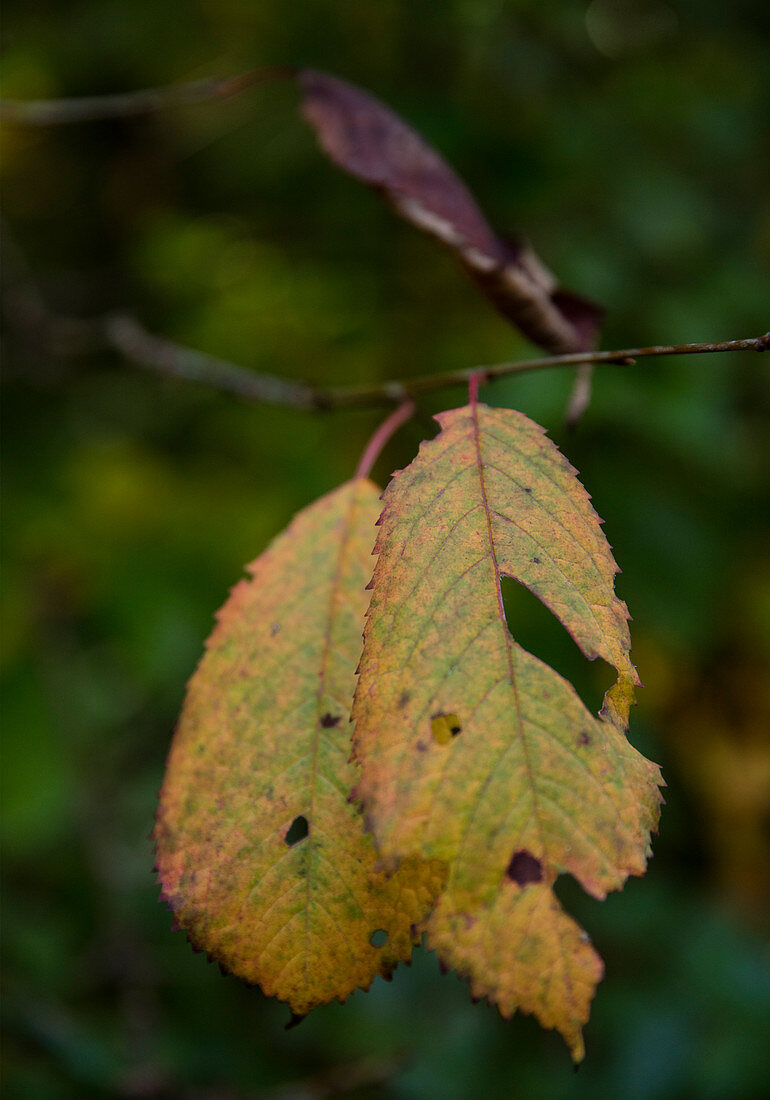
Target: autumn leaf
pixel 262 858
pixel 476 753
pixel 369 141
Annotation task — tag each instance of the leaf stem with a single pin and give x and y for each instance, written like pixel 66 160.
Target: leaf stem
pixel 474 381
pixel 389 427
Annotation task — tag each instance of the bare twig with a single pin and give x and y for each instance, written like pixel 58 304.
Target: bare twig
pixel 55 112
pixel 140 347
pixel 26 310
pixel 127 336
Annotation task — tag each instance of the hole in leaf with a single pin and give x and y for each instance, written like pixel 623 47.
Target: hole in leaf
pixel 298 830
pixel 524 868
pixel 574 899
pixel 378 938
pixel 536 629
pixel 445 727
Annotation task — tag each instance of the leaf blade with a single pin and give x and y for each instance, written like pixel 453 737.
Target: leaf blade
pixel 556 985
pixel 262 745
pixel 492 496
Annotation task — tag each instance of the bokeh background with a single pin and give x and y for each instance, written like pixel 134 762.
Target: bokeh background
pixel 627 139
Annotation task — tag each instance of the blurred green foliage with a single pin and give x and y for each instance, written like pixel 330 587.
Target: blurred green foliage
pixel 627 139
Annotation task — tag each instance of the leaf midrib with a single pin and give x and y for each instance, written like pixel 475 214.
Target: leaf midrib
pixel 318 733
pixel 504 623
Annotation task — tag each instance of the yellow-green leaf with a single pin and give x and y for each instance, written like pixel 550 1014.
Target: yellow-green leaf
pixel 475 752
pixel 260 854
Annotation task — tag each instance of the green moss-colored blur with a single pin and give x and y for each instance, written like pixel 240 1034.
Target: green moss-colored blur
pixel 627 139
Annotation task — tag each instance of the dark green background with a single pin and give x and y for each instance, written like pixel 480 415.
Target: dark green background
pixel 628 141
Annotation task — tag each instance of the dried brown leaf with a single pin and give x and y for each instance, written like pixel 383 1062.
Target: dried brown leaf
pixel 369 141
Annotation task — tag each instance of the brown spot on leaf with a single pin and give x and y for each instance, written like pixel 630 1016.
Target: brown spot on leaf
pixel 584 739
pixel 405 697
pixel 329 721
pixel 524 868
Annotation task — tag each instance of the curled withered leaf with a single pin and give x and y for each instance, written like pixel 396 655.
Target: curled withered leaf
pixel 369 141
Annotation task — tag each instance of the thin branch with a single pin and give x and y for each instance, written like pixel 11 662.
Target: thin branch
pixel 140 347
pixel 26 310
pixel 55 112
pixel 624 357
